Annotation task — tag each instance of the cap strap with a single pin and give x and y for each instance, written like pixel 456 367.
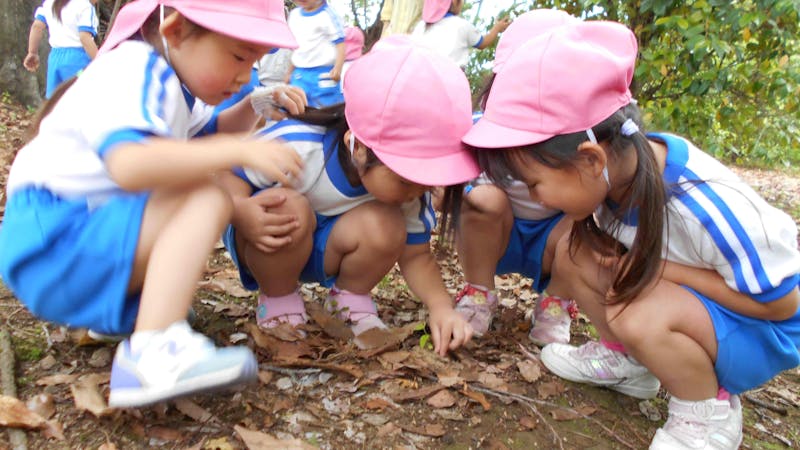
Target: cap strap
pixel 629 127
pixel 590 134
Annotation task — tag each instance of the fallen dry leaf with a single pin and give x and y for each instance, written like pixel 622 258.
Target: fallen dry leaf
pixel 86 395
pixel 42 405
pixel 442 399
pixel 433 429
pixel 14 413
pixel 550 389
pixel 256 440
pixel 530 371
pixel 194 410
pixel 564 414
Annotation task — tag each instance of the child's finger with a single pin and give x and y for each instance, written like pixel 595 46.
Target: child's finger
pixel 436 336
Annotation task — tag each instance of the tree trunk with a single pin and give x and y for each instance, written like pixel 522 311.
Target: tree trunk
pixel 15 21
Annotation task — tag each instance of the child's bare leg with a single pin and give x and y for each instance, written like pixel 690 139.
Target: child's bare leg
pixel 669 331
pixel 277 273
pixel 484 228
pixel 178 232
pixel 364 245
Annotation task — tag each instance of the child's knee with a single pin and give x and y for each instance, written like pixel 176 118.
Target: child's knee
pixel 213 198
pixel 486 201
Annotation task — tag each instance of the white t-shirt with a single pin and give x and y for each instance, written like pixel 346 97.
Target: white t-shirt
pixel 716 221
pixel 77 16
pixel 452 36
pixel 324 182
pixel 124 96
pixel 317 34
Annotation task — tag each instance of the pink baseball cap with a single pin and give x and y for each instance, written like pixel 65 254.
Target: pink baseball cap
pixel 411 106
pixel 562 82
pixel 353 43
pixel 434 10
pixel 525 27
pixel 261 22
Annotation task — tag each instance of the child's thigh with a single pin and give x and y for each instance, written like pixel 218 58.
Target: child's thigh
pixel 69 264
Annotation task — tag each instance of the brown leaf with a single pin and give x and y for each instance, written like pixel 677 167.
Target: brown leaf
pixel 564 414
pixel 449 378
pixel 332 326
pixel 442 399
pixel 377 341
pixel 87 397
pixel 231 310
pixel 418 393
pixel 255 440
pixel 530 371
pixel 42 405
pixel 433 429
pixel 59 378
pixel 14 413
pixel 377 404
pixel 477 396
pixel 264 376
pixel 492 381
pixel 227 284
pixel 165 434
pixel 549 389
pixel 281 350
pixel 194 410
pixel 528 422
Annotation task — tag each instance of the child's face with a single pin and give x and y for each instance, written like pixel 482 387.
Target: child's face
pixel 389 187
pixel 308 5
pixel 213 66
pixel 576 190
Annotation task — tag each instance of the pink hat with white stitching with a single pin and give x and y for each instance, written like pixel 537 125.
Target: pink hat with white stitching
pixel 561 82
pixel 411 106
pixel 353 43
pixel 261 22
pixel 525 27
pixel 434 10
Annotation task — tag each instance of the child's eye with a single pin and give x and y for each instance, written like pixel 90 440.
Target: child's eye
pixel 238 58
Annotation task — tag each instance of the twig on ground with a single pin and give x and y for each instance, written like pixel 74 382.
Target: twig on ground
pixel 290 372
pixel 18 439
pixel 774 408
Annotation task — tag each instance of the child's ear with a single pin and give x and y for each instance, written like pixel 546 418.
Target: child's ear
pixel 594 157
pixel 173 28
pixel 359 153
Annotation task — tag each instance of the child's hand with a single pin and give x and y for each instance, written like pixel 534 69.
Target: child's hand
pixel 449 330
pixel 31 62
pixel 275 160
pixel 335 74
pixel 501 24
pixel 268 232
pixel 265 100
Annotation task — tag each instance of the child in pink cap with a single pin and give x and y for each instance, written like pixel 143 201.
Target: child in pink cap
pixel 502 230
pixel 362 203
pixel 353 46
pixel 112 210
pixel 442 29
pixel 688 276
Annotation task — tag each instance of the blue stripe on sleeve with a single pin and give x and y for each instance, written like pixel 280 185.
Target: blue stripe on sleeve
pixel 162 91
pixel 417 238
pixel 124 136
pixel 335 21
pixel 239 172
pixel 89 30
pixel 41 18
pixel 338 40
pixel 148 81
pixel 782 289
pixel 478 44
pixel 741 234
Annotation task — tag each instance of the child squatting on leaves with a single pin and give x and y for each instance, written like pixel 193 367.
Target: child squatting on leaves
pixel 112 210
pixel 717 314
pixel 362 203
pixel 528 232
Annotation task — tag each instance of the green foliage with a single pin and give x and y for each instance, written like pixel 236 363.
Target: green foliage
pixel 425 341
pixel 724 74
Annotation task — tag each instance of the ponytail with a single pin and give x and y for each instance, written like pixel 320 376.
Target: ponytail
pixel 58 6
pixel 46 107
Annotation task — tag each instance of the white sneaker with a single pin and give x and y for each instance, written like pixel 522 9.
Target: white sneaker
pixel 176 362
pixel 593 363
pixel 708 425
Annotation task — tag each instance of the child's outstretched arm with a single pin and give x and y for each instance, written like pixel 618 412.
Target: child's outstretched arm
pixel 711 284
pixel 161 162
pixel 336 72
pixel 88 43
pixel 448 328
pixel 499 26
pixel 31 61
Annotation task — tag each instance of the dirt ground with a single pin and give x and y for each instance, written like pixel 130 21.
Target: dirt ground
pixel 324 392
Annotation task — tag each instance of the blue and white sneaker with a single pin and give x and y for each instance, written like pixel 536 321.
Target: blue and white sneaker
pixel 175 362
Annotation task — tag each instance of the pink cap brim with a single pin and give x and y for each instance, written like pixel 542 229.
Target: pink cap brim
pixel 454 168
pixel 488 134
pixel 271 33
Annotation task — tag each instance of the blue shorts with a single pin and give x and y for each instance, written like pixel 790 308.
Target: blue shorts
pixel 69 265
pixel 525 250
pixel 751 351
pixel 63 64
pixel 320 89
pixel 314 270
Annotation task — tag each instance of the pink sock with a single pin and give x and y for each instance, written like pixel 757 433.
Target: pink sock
pixel 616 346
pixel 722 394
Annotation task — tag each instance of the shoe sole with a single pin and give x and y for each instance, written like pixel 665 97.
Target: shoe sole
pixel 221 380
pixel 554 365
